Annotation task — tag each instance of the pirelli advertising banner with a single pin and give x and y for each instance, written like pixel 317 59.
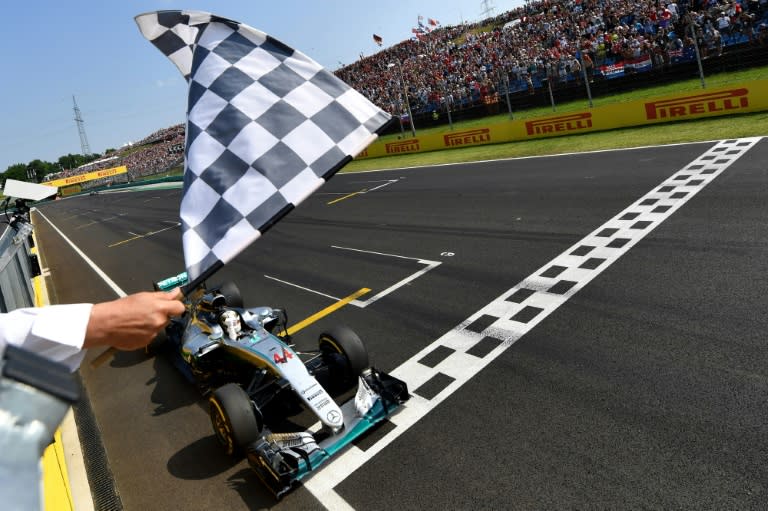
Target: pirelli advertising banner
pixel 738 98
pixel 90 176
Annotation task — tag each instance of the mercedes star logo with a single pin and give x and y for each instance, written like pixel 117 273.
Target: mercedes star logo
pixel 333 417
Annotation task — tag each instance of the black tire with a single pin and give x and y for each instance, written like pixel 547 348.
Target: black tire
pixel 231 292
pixel 166 338
pixel 344 341
pixel 236 421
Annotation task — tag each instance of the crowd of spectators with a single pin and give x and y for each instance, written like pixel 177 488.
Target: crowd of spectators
pixel 551 43
pixel 154 154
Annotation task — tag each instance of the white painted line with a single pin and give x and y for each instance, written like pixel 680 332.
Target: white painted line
pixel 485 335
pixel 90 263
pixel 86 225
pixel 375 253
pixel 100 220
pixel 365 303
pixel 386 182
pixel 75 462
pixel 382 186
pixel 302 287
pixel 431 265
pixel 394 287
pixel 534 157
pixel 176 224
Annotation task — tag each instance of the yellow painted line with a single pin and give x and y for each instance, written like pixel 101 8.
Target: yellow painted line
pixel 314 317
pixel 143 235
pixel 36 283
pixel 347 196
pixel 56 493
pixel 124 241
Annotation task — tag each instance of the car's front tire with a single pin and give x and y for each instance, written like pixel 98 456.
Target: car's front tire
pixel 342 344
pixel 236 421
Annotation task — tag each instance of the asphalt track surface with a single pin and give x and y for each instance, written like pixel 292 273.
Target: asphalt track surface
pixel 645 387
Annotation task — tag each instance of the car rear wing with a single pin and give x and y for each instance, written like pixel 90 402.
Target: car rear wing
pixel 172 282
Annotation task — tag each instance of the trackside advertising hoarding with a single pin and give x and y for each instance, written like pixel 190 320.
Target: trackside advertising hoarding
pixel 734 99
pixel 90 176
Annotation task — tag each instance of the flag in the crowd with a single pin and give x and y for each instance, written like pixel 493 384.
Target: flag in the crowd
pixel 432 22
pixel 613 70
pixel 266 126
pixel 678 56
pixel 377 39
pixel 640 64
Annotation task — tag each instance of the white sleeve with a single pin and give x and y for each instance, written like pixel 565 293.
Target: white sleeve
pixel 56 332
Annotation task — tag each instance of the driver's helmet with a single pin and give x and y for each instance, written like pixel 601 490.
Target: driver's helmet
pixel 230 322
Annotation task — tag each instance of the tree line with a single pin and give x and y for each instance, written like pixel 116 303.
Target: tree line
pixel 37 170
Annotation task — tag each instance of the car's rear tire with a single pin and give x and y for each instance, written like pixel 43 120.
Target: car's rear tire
pixel 342 340
pixel 156 345
pixel 236 421
pixel 231 292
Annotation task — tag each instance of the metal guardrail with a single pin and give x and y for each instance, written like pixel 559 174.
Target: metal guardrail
pixel 17 268
pixel 35 393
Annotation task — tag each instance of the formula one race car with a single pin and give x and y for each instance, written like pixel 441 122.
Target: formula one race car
pixel 244 360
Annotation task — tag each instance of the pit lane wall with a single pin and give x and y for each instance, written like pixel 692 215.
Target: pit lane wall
pixel 735 99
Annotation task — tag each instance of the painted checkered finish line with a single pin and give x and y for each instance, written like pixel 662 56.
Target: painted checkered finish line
pixel 266 127
pixel 441 368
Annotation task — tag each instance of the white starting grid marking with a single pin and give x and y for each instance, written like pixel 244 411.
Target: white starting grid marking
pixel 444 366
pixel 100 220
pixel 386 182
pixel 429 265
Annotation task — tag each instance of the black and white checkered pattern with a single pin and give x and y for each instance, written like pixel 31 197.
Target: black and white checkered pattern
pixel 266 126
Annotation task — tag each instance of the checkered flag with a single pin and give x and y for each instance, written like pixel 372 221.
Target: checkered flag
pixel 266 127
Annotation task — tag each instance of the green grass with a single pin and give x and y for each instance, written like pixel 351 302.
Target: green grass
pixel 175 171
pixel 734 126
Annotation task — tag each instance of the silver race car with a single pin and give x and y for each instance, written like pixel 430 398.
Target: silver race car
pixel 244 360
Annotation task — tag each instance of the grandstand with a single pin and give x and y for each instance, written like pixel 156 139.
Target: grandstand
pixel 155 154
pixel 554 44
pixel 521 56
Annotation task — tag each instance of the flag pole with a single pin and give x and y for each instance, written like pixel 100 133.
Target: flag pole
pixel 211 270
pixel 208 273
